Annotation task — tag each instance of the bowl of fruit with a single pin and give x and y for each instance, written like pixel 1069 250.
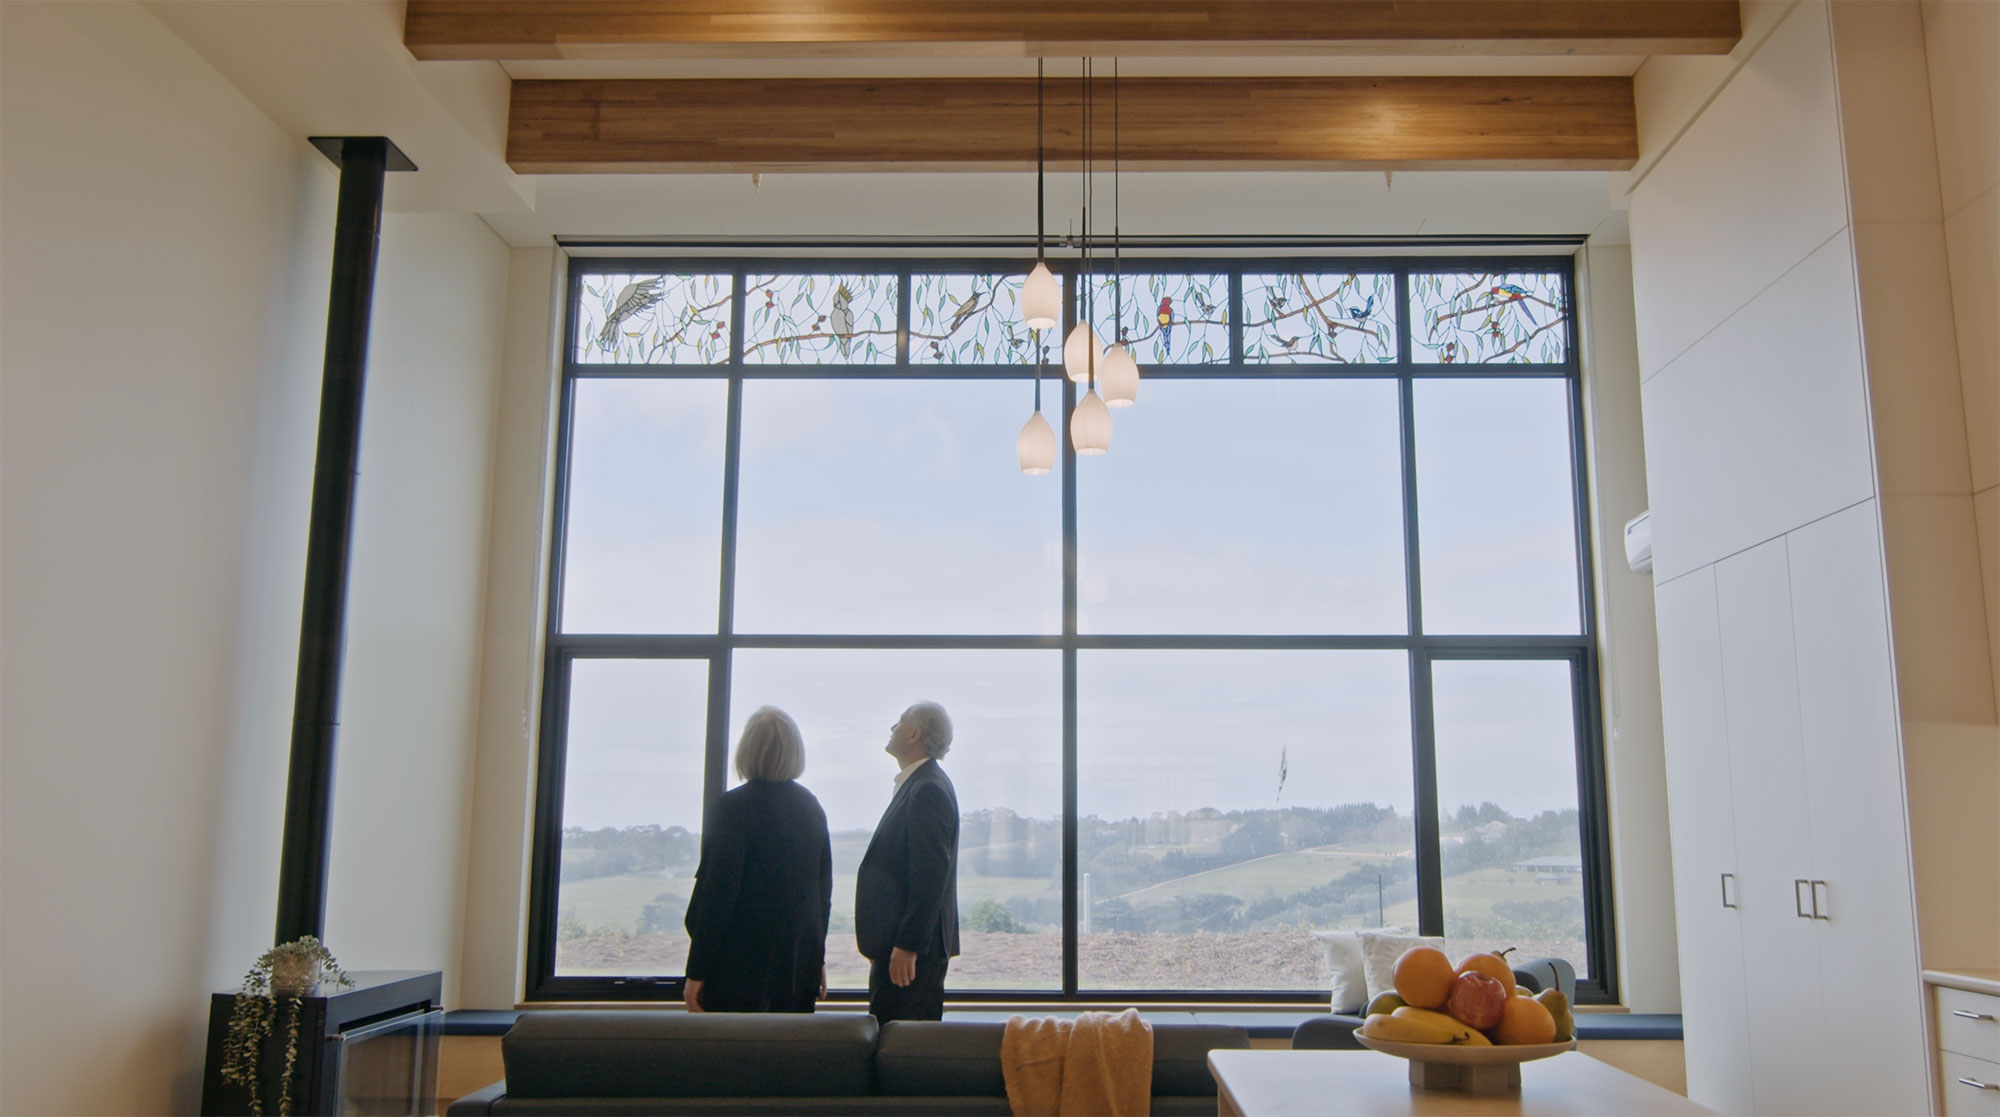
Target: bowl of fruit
pixel 1468 1028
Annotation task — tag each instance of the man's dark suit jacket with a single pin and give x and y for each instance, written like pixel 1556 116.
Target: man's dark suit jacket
pixel 907 892
pixel 756 920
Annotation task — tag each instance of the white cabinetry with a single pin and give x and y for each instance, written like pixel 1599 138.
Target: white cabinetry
pixel 1701 814
pixel 1791 848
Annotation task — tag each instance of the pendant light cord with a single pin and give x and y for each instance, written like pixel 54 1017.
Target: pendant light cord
pixel 1041 349
pixel 1117 214
pixel 1089 195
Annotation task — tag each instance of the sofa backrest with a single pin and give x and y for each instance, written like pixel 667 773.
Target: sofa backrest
pixel 614 1053
pixel 947 1059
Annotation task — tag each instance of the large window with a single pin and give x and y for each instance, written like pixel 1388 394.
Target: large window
pixel 1310 648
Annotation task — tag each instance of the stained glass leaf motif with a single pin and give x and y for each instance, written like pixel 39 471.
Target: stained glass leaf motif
pixel 819 320
pixel 653 319
pixel 972 320
pixel 1319 318
pixel 1489 318
pixel 1168 319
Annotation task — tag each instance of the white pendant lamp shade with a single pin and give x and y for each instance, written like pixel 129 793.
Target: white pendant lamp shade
pixel 1041 299
pixel 1090 425
pixel 1037 445
pixel 1079 349
pixel 1118 375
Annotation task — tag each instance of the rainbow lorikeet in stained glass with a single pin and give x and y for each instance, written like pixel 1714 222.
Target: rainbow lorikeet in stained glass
pixel 1513 293
pixel 1166 325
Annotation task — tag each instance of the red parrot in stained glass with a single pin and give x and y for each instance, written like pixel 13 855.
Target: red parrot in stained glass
pixel 1166 325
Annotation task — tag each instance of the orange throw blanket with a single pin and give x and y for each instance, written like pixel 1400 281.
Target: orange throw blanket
pixel 1100 1065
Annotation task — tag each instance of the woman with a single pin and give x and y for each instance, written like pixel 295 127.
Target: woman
pixel 757 919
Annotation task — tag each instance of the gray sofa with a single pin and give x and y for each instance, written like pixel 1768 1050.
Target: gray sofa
pixel 612 1061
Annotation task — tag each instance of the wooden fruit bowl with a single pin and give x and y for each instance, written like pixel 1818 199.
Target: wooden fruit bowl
pixel 1475 1070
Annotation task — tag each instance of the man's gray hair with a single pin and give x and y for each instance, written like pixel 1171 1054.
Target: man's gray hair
pixel 771 747
pixel 933 727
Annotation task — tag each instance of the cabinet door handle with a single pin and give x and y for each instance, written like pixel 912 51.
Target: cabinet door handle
pixel 1817 913
pixel 1978 1085
pixel 1972 1015
pixel 1727 880
pixel 1799 899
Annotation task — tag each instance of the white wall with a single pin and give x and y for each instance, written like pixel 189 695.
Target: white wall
pixel 163 300
pixel 1634 745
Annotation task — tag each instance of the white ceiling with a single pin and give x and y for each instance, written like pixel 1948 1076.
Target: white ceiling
pixel 338 67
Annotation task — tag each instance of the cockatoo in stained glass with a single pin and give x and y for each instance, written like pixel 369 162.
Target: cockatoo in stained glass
pixel 1513 293
pixel 965 310
pixel 1166 325
pixel 841 321
pixel 636 298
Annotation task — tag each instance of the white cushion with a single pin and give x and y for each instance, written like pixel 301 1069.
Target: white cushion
pixel 1341 953
pixel 1379 951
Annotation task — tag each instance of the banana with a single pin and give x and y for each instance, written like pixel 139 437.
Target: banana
pixel 1398 1029
pixel 1463 1035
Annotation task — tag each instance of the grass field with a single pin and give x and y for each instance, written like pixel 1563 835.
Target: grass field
pixel 618 901
pixel 1280 874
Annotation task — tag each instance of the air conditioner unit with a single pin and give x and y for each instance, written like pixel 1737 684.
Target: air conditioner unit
pixel 1639 542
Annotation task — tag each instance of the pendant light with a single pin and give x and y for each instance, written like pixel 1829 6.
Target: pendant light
pixel 1036 446
pixel 1041 295
pixel 1041 303
pixel 1090 422
pixel 1121 373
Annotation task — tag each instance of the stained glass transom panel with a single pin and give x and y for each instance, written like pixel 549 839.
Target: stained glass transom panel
pixel 819 320
pixel 1488 318
pixel 655 319
pixel 1330 318
pixel 971 320
pixel 1169 318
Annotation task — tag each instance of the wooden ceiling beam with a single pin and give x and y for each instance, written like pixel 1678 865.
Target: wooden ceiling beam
pixel 627 29
pixel 729 126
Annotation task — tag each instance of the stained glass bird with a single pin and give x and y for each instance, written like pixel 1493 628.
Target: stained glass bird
pixel 1361 313
pixel 1513 293
pixel 965 310
pixel 1166 325
pixel 841 322
pixel 1202 304
pixel 636 298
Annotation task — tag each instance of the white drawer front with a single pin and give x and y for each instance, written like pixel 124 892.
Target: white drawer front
pixel 1969 1023
pixel 1961 1097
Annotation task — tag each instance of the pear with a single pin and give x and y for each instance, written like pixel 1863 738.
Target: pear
pixel 1558 1006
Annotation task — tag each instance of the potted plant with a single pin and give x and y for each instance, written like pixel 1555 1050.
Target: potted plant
pixel 279 980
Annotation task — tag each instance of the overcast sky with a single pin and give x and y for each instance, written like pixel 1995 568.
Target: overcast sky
pixel 1223 507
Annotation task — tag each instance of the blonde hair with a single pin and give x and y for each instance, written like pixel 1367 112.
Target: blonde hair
pixel 771 747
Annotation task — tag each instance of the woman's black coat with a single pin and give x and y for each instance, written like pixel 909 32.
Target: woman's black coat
pixel 757 918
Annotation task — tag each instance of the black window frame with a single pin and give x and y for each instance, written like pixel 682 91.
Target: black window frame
pixel 562 649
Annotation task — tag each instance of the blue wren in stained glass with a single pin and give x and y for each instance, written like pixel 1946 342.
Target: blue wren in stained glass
pixel 1201 303
pixel 1361 313
pixel 841 321
pixel 1166 325
pixel 636 298
pixel 1513 293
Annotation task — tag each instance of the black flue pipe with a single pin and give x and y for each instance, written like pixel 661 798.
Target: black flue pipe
pixel 302 866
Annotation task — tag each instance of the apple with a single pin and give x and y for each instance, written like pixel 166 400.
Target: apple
pixel 1476 1000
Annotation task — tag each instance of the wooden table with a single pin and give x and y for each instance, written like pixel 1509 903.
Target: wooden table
pixel 1282 1083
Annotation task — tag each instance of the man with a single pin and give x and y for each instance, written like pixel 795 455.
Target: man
pixel 906 896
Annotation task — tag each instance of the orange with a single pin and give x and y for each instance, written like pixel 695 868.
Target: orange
pixel 1524 1020
pixel 1493 966
pixel 1424 977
